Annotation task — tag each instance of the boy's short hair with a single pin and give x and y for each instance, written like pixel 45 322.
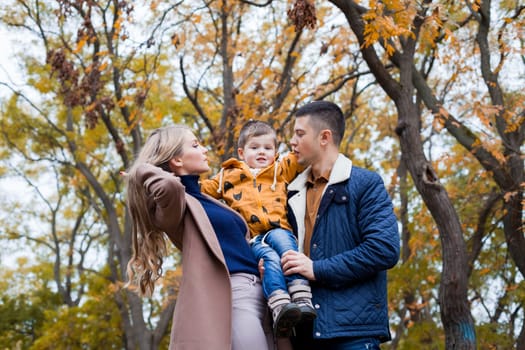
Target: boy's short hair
pixel 325 115
pixel 254 128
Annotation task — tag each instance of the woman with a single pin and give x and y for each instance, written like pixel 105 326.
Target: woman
pixel 220 304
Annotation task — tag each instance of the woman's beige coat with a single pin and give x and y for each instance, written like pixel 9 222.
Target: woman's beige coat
pixel 202 317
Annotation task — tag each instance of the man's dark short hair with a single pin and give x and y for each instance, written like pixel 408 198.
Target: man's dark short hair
pixel 325 115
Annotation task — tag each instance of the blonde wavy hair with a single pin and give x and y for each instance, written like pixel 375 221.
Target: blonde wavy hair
pixel 149 245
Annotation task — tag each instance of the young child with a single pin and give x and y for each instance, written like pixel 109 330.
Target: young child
pixel 255 186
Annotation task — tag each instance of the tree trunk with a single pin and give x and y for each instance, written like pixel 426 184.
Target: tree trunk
pixel 455 309
pixel 230 109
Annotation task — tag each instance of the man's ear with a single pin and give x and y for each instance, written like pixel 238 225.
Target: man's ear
pixel 240 152
pixel 325 136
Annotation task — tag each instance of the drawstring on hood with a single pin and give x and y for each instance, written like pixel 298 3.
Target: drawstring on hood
pixel 221 176
pixel 275 166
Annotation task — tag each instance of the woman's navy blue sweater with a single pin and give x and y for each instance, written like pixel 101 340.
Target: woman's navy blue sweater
pixel 229 228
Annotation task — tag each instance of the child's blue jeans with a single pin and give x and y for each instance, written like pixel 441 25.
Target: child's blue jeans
pixel 270 247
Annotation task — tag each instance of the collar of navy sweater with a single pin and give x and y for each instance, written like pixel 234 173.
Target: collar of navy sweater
pixel 191 182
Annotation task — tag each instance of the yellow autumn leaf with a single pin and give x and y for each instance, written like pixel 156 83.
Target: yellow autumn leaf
pixel 80 45
pixel 484 271
pixel 103 66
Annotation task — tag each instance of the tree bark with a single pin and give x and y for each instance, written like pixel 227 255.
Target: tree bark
pixel 455 310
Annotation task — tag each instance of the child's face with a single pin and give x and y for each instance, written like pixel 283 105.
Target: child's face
pixel 259 151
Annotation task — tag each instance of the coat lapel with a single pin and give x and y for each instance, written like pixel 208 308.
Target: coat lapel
pixel 203 223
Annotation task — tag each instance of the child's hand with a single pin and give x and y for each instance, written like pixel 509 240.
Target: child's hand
pixel 261 268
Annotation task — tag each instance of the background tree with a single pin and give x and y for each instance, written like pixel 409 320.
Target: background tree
pixel 81 117
pixel 96 83
pixel 264 65
pixel 100 75
pixel 406 46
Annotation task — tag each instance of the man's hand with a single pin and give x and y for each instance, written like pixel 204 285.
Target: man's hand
pixel 294 262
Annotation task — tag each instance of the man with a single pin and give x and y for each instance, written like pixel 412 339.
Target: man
pixel 348 237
